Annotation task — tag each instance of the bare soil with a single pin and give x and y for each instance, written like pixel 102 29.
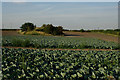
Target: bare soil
pixel 93 35
pixel 4 33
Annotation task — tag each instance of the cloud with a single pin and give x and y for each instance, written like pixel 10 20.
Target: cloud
pixel 47 9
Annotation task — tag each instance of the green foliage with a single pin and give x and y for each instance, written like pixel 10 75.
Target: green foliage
pixel 47 28
pixel 25 64
pixel 26 43
pixel 50 29
pixel 28 27
pixel 39 29
pixel 60 29
pixel 59 42
pixel 109 31
pixel 20 42
pixel 17 42
pixel 55 31
pixel 82 30
pixel 44 25
pixel 33 33
pixel 117 30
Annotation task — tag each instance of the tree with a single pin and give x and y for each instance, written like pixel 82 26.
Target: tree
pixel 60 29
pixel 28 27
pixel 44 25
pixel 55 31
pixel 48 29
pixel 82 30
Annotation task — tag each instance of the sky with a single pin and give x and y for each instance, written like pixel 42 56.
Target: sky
pixel 60 0
pixel 70 15
pixel 0 16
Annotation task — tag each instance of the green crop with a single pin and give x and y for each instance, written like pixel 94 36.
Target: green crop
pixel 57 42
pixel 57 64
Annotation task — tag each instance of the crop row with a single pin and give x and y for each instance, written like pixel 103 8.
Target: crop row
pixel 57 64
pixel 57 42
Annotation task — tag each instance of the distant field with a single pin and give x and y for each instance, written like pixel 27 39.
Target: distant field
pixel 12 33
pixel 92 35
pixel 38 41
pixel 75 34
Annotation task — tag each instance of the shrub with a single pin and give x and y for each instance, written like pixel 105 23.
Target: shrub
pixel 39 29
pixel 17 42
pixel 20 43
pixel 26 43
pixel 55 31
pixel 50 29
pixel 35 33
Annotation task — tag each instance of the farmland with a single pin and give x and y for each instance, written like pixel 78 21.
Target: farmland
pixel 92 35
pixel 60 40
pixel 74 34
pixel 60 59
pixel 57 64
pixel 57 42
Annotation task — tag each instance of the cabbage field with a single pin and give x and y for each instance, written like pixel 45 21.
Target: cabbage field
pixel 57 64
pixel 57 42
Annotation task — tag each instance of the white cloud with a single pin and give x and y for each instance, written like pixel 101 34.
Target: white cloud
pixel 47 9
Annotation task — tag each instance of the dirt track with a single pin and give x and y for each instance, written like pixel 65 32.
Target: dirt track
pixel 62 49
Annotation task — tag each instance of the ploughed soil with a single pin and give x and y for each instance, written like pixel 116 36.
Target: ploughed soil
pixel 61 49
pixel 76 34
pixel 5 33
pixel 93 35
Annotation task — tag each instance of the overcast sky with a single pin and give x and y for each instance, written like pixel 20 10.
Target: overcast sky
pixel 70 15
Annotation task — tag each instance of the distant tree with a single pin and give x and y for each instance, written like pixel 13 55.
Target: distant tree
pixel 88 31
pixel 39 29
pixel 117 30
pixel 48 29
pixel 60 29
pixel 55 31
pixel 28 27
pixel 44 25
pixel 82 30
